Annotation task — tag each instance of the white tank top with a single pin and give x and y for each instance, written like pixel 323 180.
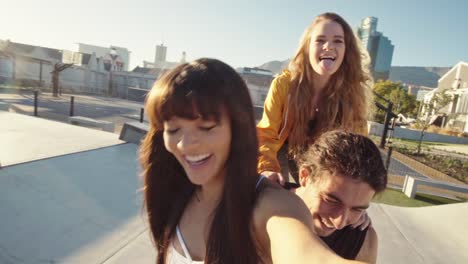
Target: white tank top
pixel 174 257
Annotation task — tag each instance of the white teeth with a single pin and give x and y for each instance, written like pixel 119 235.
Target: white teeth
pixel 197 158
pixel 327 58
pixel 328 226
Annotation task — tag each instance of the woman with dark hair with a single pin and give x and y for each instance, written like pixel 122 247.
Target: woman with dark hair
pixel 326 87
pixel 202 194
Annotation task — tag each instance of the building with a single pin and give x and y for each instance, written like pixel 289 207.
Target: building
pixel 454 83
pixel 161 52
pixel 115 58
pixel 418 90
pixel 379 47
pixel 31 66
pixel 258 82
pixel 160 61
pixel 27 65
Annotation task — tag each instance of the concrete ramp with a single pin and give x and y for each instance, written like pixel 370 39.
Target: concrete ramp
pixel 79 208
pixel 26 138
pixel 433 234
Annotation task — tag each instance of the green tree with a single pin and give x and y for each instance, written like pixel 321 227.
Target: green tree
pixel 403 102
pixel 438 101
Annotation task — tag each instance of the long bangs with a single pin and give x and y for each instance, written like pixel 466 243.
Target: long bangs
pixel 192 94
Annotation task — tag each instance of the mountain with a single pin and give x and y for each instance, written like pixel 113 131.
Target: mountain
pixel 423 76
pixel 275 66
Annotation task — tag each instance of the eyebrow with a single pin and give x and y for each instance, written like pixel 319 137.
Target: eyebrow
pixel 335 36
pixel 362 207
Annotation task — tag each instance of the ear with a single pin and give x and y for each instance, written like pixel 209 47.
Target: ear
pixel 304 175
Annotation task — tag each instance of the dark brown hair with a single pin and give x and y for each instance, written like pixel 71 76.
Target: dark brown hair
pixel 348 93
pixel 347 154
pixel 192 90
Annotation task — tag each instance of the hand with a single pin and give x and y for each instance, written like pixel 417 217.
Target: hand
pixel 363 222
pixel 274 176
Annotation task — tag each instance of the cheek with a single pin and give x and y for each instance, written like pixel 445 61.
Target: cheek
pixel 343 52
pixel 325 209
pixel 169 143
pixel 354 216
pixel 312 52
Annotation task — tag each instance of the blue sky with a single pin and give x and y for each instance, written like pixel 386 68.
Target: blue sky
pixel 241 32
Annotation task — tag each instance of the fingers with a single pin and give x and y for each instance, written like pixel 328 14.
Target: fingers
pixel 274 177
pixel 281 179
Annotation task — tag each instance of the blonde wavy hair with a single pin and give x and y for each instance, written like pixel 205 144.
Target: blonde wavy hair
pixel 348 94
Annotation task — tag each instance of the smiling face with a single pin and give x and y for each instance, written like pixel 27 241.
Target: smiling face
pixel 201 146
pixel 327 47
pixel 334 201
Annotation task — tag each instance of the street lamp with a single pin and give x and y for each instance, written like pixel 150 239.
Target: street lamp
pixel 113 56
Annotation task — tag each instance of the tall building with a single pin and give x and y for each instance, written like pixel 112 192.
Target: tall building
pixel 380 48
pixel 160 61
pixel 160 55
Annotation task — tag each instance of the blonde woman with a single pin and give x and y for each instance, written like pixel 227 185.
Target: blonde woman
pixel 326 87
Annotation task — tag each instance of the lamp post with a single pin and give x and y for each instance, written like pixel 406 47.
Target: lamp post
pixel 113 55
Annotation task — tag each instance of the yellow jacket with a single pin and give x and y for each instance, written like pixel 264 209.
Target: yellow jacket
pixel 275 126
pixel 273 129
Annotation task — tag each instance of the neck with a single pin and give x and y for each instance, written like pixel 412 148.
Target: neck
pixel 319 82
pixel 210 193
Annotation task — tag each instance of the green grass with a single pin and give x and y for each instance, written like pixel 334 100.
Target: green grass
pixel 415 143
pixel 395 197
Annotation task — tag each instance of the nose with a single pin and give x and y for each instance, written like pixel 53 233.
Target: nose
pixel 188 141
pixel 340 220
pixel 328 45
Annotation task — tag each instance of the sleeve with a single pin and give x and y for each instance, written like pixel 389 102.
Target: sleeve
pixel 269 126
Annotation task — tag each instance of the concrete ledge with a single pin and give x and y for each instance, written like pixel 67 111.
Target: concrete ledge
pixel 105 125
pixel 4 106
pixel 133 132
pixel 411 184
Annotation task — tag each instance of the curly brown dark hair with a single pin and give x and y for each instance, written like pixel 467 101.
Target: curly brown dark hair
pixel 348 154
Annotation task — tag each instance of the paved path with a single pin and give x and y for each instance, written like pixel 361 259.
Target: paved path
pixel 398 168
pixel 461 150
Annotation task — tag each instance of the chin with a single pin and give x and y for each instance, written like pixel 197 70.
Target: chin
pixel 321 229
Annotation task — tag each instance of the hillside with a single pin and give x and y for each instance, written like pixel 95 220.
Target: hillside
pixel 425 76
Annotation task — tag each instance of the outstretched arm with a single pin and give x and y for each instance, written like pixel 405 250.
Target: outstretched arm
pixel 290 231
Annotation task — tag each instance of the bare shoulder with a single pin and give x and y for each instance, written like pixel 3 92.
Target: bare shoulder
pixel 276 201
pixel 368 252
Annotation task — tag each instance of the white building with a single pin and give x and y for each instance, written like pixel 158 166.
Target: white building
pixel 117 57
pixel 454 83
pixel 258 82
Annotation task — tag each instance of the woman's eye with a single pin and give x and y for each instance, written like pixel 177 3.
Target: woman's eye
pixel 172 131
pixel 207 128
pixel 319 40
pixel 339 41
